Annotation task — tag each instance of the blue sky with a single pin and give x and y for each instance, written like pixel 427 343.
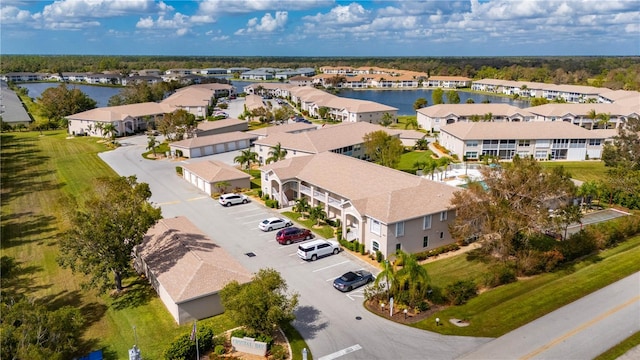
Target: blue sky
pixel 321 28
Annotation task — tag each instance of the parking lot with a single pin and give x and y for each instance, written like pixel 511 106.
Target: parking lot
pixel 334 324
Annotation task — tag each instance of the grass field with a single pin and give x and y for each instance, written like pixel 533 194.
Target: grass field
pixel 502 309
pixel 37 171
pixel 581 170
pixel 407 160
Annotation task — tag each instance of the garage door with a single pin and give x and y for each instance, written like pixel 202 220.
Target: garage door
pixel 219 148
pixel 231 146
pixel 242 144
pixel 197 152
pixel 201 184
pixel 208 150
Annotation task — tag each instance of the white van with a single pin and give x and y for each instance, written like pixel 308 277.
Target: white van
pixel 318 248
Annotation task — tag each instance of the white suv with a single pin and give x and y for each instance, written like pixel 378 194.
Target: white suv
pixel 233 199
pixel 312 250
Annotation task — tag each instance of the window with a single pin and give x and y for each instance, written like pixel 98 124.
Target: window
pixel 374 226
pixel 426 223
pixel 472 143
pixel 425 241
pixel 443 216
pixel 400 229
pixel 375 246
pixel 441 234
pixel 524 143
pixel 398 247
pixel 594 142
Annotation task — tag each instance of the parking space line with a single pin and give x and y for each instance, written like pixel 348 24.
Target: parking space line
pixel 169 202
pixel 342 352
pixel 198 198
pixel 330 266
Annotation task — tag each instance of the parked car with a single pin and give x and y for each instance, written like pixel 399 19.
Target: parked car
pixel 317 248
pixel 352 279
pixel 293 234
pixel 274 223
pixel 232 199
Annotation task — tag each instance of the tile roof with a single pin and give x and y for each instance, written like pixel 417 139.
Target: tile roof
pixel 186 262
pixel 200 141
pixel 324 139
pixel 284 128
pixel 219 124
pixel 215 171
pixel 116 113
pixel 519 131
pixel 383 193
pixel 190 96
pixel 560 110
pixel 444 110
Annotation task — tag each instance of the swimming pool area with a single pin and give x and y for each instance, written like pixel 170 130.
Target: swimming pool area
pixel 459 175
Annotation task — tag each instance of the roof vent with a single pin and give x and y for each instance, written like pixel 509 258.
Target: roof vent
pixel 250 254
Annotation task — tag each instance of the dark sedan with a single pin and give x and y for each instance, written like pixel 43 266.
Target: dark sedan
pixel 352 279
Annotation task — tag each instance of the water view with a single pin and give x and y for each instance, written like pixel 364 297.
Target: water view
pixel 401 99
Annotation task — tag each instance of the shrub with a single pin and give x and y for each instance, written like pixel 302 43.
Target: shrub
pixel 579 244
pixel 278 352
pixel 461 291
pixel 499 275
pixel 239 333
pixel 183 348
pixel 179 153
pixel 362 250
pixel 219 349
pixel 338 223
pixel 379 256
pixel 339 234
pixel 422 306
pixel 260 193
pixel 435 295
pixel 179 170
pixel 271 203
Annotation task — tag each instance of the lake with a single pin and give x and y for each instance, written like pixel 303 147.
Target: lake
pixel 401 99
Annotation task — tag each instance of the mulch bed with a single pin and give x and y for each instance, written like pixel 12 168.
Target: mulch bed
pixel 398 316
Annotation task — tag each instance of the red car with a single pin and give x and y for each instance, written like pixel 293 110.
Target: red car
pixel 293 234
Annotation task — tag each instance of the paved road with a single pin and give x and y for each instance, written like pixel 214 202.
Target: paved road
pixel 326 318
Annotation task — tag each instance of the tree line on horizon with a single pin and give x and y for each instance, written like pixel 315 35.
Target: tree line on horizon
pixel 610 72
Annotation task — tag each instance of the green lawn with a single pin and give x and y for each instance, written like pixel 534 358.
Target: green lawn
pixel 38 171
pixel 581 170
pixel 407 160
pixel 502 309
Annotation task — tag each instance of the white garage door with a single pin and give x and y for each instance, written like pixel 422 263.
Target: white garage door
pixel 197 152
pixel 242 144
pixel 219 148
pixel 231 146
pixel 201 184
pixel 208 150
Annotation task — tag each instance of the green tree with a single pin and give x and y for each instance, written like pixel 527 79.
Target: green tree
pixel 565 217
pixel 437 95
pixel 301 206
pixel 592 115
pixel 222 186
pixel 420 103
pixel 412 277
pixel 106 229
pixel 57 102
pixel 411 122
pixel 623 158
pixel 515 203
pixel 317 214
pixel 246 157
pixel 109 130
pixel 387 119
pixel 175 125
pixel 470 101
pixel 383 148
pixel 152 143
pixel 453 97
pixel 537 101
pixel 276 153
pixel 323 111
pixel 388 275
pixel 603 120
pixel 261 304
pixel 422 144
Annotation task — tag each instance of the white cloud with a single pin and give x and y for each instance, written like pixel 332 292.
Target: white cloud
pixel 220 38
pixel 12 14
pixel 214 7
pixel 146 23
pixel 64 9
pixel 352 14
pixel 267 24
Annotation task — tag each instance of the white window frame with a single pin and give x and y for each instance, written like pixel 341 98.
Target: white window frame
pixel 374 226
pixel 443 215
pixel 375 246
pixel 426 222
pixel 400 229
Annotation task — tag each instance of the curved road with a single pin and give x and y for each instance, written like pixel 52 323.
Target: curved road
pixel 328 319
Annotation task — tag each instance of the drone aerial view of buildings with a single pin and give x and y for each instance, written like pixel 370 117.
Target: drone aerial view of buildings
pixel 262 179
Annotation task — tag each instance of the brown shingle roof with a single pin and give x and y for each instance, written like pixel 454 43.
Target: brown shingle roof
pixel 219 124
pixel 383 193
pixel 214 171
pixel 186 262
pixel 519 131
pixel 212 139
pixel 115 113
pixel 443 110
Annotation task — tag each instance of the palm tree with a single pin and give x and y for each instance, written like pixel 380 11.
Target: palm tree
pixel 276 153
pixel 388 274
pixel 110 130
pixel 302 206
pixel 100 126
pixel 412 277
pixel 246 157
pixel 411 123
pixel 488 117
pixel 603 119
pixel 592 115
pixel 422 144
pixel 317 213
